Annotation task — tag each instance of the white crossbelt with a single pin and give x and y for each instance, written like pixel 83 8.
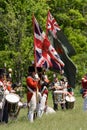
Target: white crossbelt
pixel 30 89
pixel 43 89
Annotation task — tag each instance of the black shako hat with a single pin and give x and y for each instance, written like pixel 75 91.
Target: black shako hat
pixel 39 69
pixel 2 71
pixel 31 69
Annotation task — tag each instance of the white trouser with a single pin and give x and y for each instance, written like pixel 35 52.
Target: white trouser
pixel 32 107
pixel 85 104
pixel 2 103
pixel 41 105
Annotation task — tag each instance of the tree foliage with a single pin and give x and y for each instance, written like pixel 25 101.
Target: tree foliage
pixel 16 31
pixel 71 16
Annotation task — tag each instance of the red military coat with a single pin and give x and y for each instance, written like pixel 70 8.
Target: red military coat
pixel 84 86
pixel 31 84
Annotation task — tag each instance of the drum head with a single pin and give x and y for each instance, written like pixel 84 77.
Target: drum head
pixel 12 98
pixel 70 99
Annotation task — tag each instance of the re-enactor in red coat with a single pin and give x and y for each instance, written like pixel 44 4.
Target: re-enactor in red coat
pixel 84 85
pixel 84 89
pixel 32 86
pixel 42 107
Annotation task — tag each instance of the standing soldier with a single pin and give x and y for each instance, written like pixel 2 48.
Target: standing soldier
pixel 57 91
pixel 44 96
pixel 84 93
pixel 32 86
pixel 3 84
pixel 2 100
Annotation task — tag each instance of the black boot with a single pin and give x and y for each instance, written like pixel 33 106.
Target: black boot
pixel 62 106
pixel 55 107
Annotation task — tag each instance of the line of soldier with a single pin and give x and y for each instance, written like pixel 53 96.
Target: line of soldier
pixel 38 86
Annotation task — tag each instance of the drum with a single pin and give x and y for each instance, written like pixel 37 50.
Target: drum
pixel 59 96
pixel 12 100
pixel 70 100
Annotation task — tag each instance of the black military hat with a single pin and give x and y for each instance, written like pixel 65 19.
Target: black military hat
pixel 2 71
pixel 31 69
pixel 39 69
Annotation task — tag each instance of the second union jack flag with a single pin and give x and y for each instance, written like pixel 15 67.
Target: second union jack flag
pixel 57 33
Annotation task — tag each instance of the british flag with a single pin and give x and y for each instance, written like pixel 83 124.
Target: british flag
pixel 63 47
pixel 45 55
pixel 52 24
pixel 53 27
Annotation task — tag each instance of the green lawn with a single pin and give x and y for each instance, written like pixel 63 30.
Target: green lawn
pixel 75 119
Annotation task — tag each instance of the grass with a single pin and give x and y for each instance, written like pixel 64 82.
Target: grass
pixel 75 119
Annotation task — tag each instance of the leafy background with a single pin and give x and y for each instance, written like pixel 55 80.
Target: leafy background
pixel 16 31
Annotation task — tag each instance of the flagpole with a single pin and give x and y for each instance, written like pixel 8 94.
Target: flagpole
pixel 46 24
pixel 35 59
pixel 34 47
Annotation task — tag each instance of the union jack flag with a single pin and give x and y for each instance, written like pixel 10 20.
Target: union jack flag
pixel 53 27
pixel 63 47
pixel 45 55
pixel 52 24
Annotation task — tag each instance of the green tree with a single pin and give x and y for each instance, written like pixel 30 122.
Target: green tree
pixel 71 16
pixel 17 31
